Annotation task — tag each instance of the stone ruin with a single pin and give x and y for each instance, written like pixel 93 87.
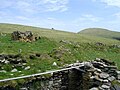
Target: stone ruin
pixel 14 62
pixel 98 74
pixel 24 36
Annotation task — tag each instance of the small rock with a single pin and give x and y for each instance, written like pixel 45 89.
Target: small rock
pixel 24 64
pixel 104 75
pixel 6 62
pixel 98 59
pixel 105 87
pixel 3 71
pixel 50 82
pixel 23 89
pixel 94 88
pixel 118 77
pixel 3 60
pixel 88 64
pixel 98 70
pixel 28 67
pixel 111 78
pixel 14 70
pixel 105 81
pixel 54 64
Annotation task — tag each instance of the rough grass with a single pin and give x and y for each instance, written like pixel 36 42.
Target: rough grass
pixel 77 47
pixel 56 34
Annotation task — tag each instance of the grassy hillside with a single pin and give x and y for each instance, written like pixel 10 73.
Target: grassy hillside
pixel 55 34
pixel 101 33
pixel 73 47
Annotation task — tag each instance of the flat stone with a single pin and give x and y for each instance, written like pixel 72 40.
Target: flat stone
pixel 112 78
pixel 23 89
pixel 88 64
pixel 118 77
pixel 94 88
pixel 105 81
pixel 6 62
pixel 98 70
pixel 14 70
pixel 105 87
pixel 28 67
pixel 3 71
pixel 104 75
pixel 50 82
pixel 118 72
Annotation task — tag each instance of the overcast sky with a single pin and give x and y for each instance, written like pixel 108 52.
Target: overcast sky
pixel 68 15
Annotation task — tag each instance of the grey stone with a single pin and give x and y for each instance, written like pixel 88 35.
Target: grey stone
pixel 23 89
pixel 105 81
pixel 105 86
pixel 117 87
pixel 50 82
pixel 118 77
pixel 6 62
pixel 54 64
pixel 14 70
pixel 3 71
pixel 118 72
pixel 98 70
pixel 88 64
pixel 94 88
pixel 28 67
pixel 111 78
pixel 104 75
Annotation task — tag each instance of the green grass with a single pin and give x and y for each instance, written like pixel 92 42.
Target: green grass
pixel 78 47
pixel 101 33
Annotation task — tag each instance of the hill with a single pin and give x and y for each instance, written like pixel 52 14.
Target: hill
pixel 56 35
pixel 101 33
pixel 25 58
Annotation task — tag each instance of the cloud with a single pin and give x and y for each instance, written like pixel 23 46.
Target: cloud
pixel 89 17
pixel 56 5
pixel 32 6
pixel 115 3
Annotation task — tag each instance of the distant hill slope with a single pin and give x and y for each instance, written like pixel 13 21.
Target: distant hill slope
pixel 56 35
pixel 101 33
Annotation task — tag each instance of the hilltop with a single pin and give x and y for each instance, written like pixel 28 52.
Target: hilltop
pixel 100 32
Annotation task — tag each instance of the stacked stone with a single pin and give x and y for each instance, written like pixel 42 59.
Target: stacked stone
pixel 14 61
pixel 103 73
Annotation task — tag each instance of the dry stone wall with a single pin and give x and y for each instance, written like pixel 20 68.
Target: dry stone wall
pixel 98 74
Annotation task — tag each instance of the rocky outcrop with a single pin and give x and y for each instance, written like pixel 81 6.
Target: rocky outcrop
pixel 24 36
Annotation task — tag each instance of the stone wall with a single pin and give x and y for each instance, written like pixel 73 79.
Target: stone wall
pixel 98 74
